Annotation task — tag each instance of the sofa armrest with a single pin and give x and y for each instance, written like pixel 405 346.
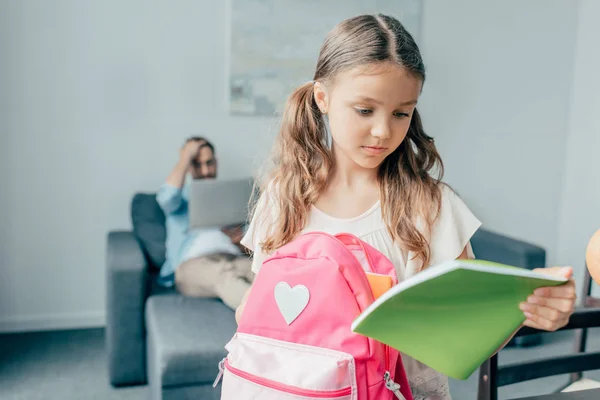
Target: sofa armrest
pixel 126 292
pixel 493 246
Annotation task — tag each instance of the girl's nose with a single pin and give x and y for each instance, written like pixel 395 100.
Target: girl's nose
pixel 381 130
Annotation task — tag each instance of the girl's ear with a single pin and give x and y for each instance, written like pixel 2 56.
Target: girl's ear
pixel 321 97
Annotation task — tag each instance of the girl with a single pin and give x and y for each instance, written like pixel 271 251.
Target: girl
pixel 352 156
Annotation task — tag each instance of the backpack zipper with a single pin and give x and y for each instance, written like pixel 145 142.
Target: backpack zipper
pixel 389 383
pixel 317 394
pixel 220 374
pixel 392 386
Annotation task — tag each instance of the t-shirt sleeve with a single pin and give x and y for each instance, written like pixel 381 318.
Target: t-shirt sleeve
pixel 257 231
pixel 453 229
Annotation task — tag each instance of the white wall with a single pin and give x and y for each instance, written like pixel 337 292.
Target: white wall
pixel 5 253
pixel 102 94
pixel 497 102
pixel 580 208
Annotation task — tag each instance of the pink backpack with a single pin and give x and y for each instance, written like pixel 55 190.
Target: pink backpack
pixel 294 339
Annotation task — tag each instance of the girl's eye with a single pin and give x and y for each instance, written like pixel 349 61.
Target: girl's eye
pixel 401 115
pixel 364 111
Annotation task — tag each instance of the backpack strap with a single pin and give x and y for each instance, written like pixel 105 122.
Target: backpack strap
pixel 352 241
pixel 376 261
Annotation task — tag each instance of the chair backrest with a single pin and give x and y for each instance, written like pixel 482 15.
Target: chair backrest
pixel 491 376
pixel 488 245
pixel 148 222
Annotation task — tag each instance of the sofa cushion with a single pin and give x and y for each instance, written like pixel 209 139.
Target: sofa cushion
pixel 148 222
pixel 188 336
pixel 492 246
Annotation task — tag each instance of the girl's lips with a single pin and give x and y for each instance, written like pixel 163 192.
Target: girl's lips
pixel 374 150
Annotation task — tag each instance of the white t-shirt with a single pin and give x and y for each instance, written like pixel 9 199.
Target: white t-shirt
pixel 450 234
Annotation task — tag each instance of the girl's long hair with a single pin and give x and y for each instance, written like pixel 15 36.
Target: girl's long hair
pixel 409 178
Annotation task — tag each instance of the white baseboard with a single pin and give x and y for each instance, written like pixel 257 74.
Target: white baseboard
pixel 49 322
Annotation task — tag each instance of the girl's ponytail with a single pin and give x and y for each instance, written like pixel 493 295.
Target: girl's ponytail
pixel 302 163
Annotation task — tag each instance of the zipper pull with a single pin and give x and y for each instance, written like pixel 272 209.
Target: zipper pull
pixel 392 386
pixel 220 374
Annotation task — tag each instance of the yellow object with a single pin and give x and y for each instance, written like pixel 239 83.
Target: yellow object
pixel 379 283
pixel 592 256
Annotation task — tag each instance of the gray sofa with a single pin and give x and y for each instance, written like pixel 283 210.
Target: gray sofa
pixel 174 343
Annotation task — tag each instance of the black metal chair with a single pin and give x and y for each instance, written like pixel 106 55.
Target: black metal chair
pixel 581 335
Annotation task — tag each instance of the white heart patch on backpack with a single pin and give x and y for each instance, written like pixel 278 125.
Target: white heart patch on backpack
pixel 291 301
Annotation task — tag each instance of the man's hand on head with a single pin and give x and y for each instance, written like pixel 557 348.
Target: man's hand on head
pixel 190 151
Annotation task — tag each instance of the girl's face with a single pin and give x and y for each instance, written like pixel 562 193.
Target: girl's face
pixel 369 112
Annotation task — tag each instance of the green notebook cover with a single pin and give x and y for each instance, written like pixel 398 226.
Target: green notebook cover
pixel 454 316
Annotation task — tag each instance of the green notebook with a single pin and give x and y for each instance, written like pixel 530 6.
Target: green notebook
pixel 454 316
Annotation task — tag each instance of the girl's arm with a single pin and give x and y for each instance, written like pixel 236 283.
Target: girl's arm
pixel 464 255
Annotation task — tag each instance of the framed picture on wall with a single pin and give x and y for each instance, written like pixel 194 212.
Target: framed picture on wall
pixel 273 45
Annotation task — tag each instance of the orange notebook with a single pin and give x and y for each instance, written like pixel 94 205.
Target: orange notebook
pixel 379 283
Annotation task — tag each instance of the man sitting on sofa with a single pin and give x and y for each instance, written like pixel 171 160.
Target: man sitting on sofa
pixel 208 262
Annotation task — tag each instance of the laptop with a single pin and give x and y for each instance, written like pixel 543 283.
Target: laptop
pixel 218 203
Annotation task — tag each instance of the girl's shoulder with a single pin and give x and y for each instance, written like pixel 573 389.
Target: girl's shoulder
pixel 263 213
pixel 450 200
pixel 449 233
pixel 452 228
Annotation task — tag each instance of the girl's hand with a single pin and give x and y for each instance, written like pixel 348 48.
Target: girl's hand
pixel 549 308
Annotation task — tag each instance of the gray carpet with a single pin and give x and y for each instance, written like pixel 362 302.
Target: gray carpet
pixel 72 365
pixel 58 365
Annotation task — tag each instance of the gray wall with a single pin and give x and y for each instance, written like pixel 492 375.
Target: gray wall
pixel 580 207
pixel 498 102
pixel 102 93
pixel 6 266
